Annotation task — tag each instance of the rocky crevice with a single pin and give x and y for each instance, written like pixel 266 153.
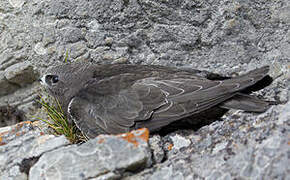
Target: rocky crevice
pixel 27 163
pixel 10 115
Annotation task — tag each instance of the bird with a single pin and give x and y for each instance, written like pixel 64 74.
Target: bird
pixel 118 98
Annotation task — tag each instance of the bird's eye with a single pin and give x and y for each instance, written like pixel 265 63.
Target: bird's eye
pixel 54 79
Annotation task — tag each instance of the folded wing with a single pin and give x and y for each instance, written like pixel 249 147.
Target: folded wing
pixel 149 102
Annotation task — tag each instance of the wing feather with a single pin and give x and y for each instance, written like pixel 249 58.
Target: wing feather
pixel 149 102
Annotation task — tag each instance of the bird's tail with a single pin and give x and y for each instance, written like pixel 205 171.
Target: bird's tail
pixel 252 81
pixel 245 102
pixel 251 78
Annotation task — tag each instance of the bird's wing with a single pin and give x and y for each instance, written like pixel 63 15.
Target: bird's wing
pixel 119 103
pixel 184 97
pixel 103 107
pixel 112 105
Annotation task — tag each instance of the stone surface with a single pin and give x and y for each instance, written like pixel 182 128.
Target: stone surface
pixel 21 73
pixel 158 154
pixel 27 152
pixel 225 36
pixel 21 101
pixel 179 142
pixel 10 116
pixel 21 144
pixel 103 157
pixel 242 146
pixel 5 86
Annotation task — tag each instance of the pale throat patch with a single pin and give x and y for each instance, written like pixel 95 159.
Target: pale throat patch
pixel 42 82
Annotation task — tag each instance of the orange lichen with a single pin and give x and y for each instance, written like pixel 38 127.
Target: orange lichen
pixel 145 134
pixel 36 123
pixel 22 123
pixel 19 133
pixel 26 122
pixel 1 143
pixel 132 137
pixel 288 142
pixel 100 141
pixel 14 130
pixel 169 147
pixel 235 145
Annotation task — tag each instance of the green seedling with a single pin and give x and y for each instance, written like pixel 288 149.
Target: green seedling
pixel 58 122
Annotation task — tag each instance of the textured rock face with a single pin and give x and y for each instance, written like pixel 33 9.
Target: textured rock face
pixel 242 146
pixel 6 87
pixel 21 145
pixel 103 157
pixel 26 152
pixel 21 74
pixel 222 36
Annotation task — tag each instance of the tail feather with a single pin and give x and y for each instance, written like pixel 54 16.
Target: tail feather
pixel 245 102
pixel 250 78
pixel 249 82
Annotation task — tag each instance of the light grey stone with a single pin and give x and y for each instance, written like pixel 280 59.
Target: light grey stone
pixel 222 36
pixel 179 142
pixel 217 35
pixel 108 176
pixel 72 35
pixel 104 156
pixel 23 99
pixel 120 61
pixel 158 153
pixel 260 153
pixel 21 73
pixel 16 3
pixel 284 14
pixel 5 86
pixel 40 49
pixel 23 142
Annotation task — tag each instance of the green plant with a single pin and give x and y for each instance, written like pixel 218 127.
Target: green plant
pixel 66 60
pixel 59 123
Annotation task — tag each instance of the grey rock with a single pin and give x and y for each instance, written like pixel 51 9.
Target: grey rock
pixel 5 86
pixel 120 61
pixel 108 176
pixel 22 100
pixel 222 36
pixel 21 143
pixel 179 142
pixel 283 14
pixel 156 144
pixel 21 73
pixel 10 115
pixel 100 158
pixel 21 96
pixel 255 150
pixel 16 3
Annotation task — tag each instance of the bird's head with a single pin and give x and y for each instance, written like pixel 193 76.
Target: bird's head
pixel 64 81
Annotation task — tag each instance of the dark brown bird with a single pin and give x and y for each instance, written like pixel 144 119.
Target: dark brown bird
pixel 118 98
